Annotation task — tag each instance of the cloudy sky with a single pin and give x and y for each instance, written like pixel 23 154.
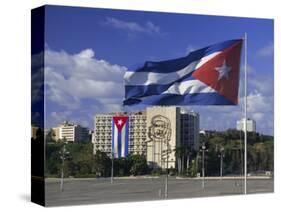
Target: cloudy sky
pixel 88 51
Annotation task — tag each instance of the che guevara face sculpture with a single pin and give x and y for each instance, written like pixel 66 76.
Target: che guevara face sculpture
pixel 160 129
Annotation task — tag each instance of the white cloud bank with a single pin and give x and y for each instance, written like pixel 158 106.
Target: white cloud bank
pixel 73 77
pixel 81 85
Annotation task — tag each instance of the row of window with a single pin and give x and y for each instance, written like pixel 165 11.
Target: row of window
pixel 102 135
pixel 103 126
pixel 137 134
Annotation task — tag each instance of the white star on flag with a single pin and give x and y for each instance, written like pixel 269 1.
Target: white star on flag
pixel 120 122
pixel 223 71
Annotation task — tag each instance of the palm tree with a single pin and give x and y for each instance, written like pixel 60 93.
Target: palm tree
pixel 181 153
pixel 187 153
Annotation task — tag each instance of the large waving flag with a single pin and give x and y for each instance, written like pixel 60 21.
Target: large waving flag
pixel 120 136
pixel 208 76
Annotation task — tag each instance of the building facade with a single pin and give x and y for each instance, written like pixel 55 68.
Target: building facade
pixel 251 125
pixel 170 129
pixel 189 129
pixel 137 133
pixel 71 132
pixel 102 137
pixel 156 133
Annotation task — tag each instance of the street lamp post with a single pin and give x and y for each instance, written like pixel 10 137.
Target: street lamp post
pixel 63 155
pixel 62 173
pixel 165 158
pixel 221 161
pixel 203 149
pixel 167 171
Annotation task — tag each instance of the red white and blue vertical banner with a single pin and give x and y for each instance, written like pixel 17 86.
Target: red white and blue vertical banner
pixel 120 136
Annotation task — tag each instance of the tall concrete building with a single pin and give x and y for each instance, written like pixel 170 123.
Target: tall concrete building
pixel 189 129
pixel 137 133
pixel 170 128
pixel 71 132
pixel 251 125
pixel 156 132
pixel 56 133
pixel 102 137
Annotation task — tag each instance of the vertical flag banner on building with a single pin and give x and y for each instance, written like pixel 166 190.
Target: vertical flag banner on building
pixel 208 76
pixel 120 136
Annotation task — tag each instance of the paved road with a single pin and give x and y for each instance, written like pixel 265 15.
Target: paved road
pixel 89 191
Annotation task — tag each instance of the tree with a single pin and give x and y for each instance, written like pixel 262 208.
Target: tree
pixel 50 136
pixel 101 164
pixel 53 161
pixel 121 167
pixel 138 164
pixel 179 152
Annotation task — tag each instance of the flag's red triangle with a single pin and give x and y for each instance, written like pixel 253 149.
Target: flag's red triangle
pixel 120 121
pixel 226 84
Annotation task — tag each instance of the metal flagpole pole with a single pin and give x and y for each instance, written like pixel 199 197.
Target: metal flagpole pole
pixel 167 173
pixel 245 114
pixel 112 162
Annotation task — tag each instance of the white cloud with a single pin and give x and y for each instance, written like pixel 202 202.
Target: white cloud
pixel 148 27
pixel 76 81
pixel 260 108
pixel 267 50
pixel 87 53
pixel 262 84
pixel 72 77
pixel 258 117
pixel 59 117
pixel 259 103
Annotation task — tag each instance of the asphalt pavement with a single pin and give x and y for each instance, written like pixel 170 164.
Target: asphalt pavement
pixel 96 191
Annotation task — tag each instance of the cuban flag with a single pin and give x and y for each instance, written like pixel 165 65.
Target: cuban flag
pixel 120 136
pixel 208 76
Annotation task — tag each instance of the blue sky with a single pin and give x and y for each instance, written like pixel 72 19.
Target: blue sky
pixel 88 51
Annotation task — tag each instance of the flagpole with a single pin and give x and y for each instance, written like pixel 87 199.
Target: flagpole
pixel 112 162
pixel 245 115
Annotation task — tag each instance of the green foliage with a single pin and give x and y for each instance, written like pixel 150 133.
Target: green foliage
pixel 156 172
pixel 50 136
pixel 53 161
pixel 193 169
pixel 138 164
pixel 82 162
pixel 131 165
pixel 101 164
pixel 259 150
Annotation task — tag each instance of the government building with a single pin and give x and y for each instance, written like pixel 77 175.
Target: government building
pixel 170 129
pixel 156 132
pixel 102 136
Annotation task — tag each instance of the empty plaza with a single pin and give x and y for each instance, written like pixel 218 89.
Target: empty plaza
pixel 96 191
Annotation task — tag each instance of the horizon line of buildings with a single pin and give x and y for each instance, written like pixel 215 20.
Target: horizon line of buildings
pixel 178 127
pixel 67 129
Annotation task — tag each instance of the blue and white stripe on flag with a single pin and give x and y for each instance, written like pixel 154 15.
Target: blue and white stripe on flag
pixel 120 136
pixel 208 76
